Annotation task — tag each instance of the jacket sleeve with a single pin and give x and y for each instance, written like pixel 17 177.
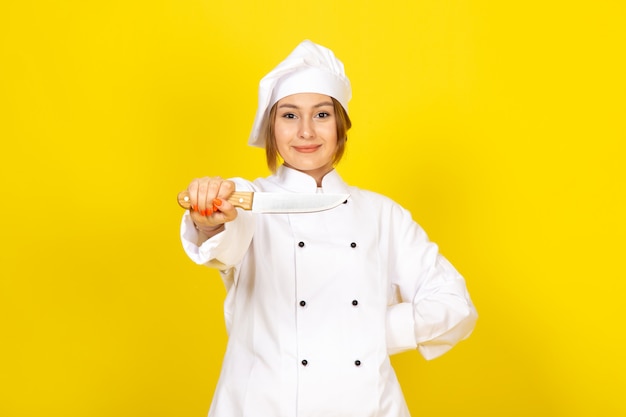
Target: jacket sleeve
pixel 227 248
pixel 433 309
pixel 223 250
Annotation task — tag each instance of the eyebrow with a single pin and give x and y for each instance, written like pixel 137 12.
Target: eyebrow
pixel 293 106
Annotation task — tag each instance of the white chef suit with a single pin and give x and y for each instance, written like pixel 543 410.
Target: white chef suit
pixel 317 302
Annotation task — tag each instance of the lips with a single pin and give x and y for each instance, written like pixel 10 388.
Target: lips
pixel 307 149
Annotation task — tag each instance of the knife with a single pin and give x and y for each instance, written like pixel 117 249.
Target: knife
pixel 260 202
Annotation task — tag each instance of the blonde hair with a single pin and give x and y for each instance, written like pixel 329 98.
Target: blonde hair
pixel 271 151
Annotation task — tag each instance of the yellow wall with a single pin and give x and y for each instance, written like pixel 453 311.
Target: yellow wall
pixel 500 125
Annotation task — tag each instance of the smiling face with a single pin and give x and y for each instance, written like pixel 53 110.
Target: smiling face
pixel 305 130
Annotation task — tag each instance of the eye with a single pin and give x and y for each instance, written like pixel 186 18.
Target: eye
pixel 289 116
pixel 323 115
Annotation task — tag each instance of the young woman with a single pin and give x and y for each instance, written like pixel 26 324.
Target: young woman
pixel 318 301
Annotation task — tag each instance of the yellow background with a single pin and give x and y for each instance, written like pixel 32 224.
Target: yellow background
pixel 500 125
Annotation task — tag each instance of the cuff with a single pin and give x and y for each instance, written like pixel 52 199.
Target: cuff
pixel 400 328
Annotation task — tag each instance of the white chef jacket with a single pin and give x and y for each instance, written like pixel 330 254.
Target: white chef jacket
pixel 317 302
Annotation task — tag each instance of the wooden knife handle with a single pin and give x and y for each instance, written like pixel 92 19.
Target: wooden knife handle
pixel 241 199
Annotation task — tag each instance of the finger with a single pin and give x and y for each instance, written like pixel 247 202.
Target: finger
pixel 213 187
pixel 192 190
pixel 227 188
pixel 204 190
pixel 220 218
pixel 226 211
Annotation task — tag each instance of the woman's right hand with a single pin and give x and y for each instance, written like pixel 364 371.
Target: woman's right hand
pixel 210 208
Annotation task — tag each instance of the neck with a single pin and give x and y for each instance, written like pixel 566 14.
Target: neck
pixel 317 174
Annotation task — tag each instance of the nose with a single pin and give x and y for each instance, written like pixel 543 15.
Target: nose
pixel 307 130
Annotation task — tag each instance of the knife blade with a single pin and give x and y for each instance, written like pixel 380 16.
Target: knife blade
pixel 261 202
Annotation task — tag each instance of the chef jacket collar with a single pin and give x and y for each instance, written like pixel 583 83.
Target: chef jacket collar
pixel 299 182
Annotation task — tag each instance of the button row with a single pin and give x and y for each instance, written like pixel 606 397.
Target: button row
pixel 352 245
pixel 305 362
pixel 303 303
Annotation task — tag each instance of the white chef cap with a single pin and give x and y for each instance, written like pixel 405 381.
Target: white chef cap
pixel 310 68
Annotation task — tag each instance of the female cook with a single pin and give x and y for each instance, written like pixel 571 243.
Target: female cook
pixel 317 302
